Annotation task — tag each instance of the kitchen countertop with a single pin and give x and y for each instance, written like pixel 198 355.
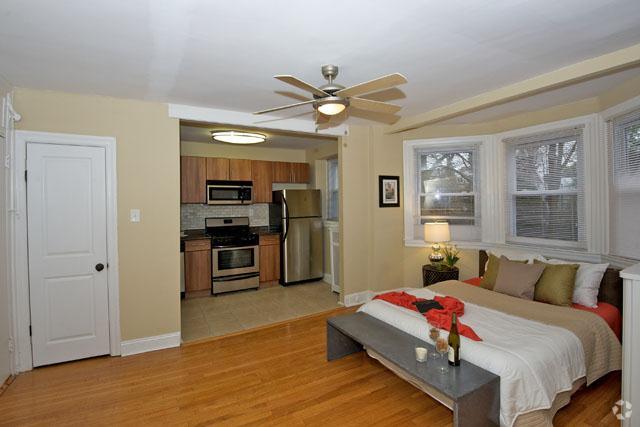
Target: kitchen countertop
pixel 198 234
pixel 266 230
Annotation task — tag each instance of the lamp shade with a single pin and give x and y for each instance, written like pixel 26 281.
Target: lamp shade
pixel 436 232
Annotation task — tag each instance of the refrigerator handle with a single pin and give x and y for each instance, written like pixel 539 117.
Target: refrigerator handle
pixel 286 218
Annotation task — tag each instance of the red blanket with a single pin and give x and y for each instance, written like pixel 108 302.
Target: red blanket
pixel 438 318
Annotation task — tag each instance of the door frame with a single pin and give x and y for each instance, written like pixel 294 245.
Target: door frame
pixel 22 318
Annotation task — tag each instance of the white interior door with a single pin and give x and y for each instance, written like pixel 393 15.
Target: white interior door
pixel 67 230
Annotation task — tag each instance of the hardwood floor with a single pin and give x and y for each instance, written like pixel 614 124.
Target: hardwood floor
pixel 273 376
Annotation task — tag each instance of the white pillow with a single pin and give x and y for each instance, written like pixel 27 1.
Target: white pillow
pixel 588 278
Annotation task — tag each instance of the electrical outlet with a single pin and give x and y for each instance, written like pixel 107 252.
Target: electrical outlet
pixel 134 215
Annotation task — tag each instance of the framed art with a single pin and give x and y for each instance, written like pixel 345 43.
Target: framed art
pixel 388 191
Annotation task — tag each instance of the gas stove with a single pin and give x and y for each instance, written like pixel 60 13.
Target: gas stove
pixel 230 232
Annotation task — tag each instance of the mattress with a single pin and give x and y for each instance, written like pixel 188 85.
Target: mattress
pixel 606 311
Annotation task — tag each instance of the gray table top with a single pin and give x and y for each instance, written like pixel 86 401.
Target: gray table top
pixel 398 347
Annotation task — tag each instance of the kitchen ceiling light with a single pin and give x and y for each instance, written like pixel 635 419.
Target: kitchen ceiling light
pixel 237 137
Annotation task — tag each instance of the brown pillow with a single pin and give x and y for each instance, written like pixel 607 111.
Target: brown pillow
pixel 489 279
pixel 556 284
pixel 517 279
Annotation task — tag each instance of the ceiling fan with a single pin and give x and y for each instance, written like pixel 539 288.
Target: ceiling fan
pixel 332 98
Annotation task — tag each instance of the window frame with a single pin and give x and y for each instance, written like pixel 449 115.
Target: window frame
pixel 329 191
pixel 511 191
pixel 412 235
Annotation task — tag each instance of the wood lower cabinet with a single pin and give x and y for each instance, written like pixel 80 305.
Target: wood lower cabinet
pixel 240 170
pixel 193 179
pixel 269 259
pixel 300 173
pixel 197 266
pixel 262 177
pixel 217 168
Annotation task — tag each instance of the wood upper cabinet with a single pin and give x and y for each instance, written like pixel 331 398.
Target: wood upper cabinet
pixel 240 170
pixel 193 179
pixel 269 258
pixel 281 171
pixel 300 173
pixel 217 168
pixel 262 177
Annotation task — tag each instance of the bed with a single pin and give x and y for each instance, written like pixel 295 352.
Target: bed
pixel 542 353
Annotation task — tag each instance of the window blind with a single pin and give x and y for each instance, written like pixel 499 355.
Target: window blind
pixel 624 194
pixel 448 189
pixel 545 194
pixel 332 189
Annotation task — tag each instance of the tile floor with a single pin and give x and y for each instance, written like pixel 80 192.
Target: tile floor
pixel 233 312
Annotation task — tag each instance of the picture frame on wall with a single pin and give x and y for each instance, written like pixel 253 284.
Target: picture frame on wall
pixel 388 191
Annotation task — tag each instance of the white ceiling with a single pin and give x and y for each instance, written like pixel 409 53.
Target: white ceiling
pixel 564 95
pixel 202 133
pixel 223 54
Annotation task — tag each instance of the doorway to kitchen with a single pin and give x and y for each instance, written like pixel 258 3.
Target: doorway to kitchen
pixel 258 228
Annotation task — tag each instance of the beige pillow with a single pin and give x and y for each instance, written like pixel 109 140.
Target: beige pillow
pixel 491 273
pixel 517 279
pixel 556 283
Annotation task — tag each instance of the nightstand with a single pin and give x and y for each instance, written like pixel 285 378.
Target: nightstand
pixel 431 274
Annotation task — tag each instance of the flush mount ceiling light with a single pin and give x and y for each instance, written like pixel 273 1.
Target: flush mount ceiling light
pixel 238 137
pixel 332 105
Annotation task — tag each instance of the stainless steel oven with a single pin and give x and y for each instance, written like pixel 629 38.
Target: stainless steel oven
pixel 235 260
pixel 229 192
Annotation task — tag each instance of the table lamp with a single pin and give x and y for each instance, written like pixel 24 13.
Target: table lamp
pixel 436 233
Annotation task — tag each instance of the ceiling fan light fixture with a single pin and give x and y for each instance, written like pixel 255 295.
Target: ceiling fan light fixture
pixel 332 105
pixel 238 137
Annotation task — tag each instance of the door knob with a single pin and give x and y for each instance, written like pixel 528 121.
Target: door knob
pixel 99 267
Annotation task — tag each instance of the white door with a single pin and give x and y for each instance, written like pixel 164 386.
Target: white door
pixel 67 229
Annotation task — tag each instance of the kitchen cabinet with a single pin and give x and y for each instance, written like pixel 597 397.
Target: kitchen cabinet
pixel 281 171
pixel 269 259
pixel 197 266
pixel 300 173
pixel 240 170
pixel 193 179
pixel 217 168
pixel 262 177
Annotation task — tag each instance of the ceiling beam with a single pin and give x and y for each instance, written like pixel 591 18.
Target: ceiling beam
pixel 585 70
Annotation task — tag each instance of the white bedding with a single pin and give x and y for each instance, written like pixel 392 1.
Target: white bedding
pixel 535 361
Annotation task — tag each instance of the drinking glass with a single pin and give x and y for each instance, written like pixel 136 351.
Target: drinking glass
pixel 434 334
pixel 442 346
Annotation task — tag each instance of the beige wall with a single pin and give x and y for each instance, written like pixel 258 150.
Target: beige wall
pixel 203 149
pixel 148 169
pixel 374 255
pixel 5 321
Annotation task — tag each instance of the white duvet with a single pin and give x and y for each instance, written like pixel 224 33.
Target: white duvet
pixel 535 361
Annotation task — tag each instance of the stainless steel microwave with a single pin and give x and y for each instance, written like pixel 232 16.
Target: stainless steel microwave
pixel 229 192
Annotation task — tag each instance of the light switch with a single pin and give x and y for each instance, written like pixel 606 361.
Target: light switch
pixel 134 215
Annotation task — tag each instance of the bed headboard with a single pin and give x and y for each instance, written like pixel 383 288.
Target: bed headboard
pixel 610 287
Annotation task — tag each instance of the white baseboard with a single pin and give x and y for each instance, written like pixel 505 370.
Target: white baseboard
pixel 358 298
pixel 327 278
pixel 142 345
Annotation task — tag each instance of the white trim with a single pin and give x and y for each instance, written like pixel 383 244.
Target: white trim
pixel 23 356
pixel 143 345
pixel 620 109
pixel 328 278
pixel 631 336
pixel 358 298
pixel 212 115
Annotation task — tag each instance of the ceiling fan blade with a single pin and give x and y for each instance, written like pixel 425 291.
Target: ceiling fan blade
pixel 294 81
pixel 375 106
pixel 380 83
pixel 285 107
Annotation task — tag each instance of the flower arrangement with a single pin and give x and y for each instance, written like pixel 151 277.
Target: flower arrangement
pixel 451 257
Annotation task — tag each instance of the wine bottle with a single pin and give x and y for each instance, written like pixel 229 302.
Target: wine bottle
pixel 454 342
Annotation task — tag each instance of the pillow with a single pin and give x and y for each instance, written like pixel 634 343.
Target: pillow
pixel 515 255
pixel 588 280
pixel 556 283
pixel 491 271
pixel 517 279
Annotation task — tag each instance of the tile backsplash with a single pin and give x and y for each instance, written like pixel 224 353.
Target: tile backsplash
pixel 192 215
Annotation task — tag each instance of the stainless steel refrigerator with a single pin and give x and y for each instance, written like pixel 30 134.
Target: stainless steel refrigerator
pixel 301 251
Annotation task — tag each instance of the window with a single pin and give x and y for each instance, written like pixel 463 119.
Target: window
pixel 624 160
pixel 447 187
pixel 545 188
pixel 332 190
